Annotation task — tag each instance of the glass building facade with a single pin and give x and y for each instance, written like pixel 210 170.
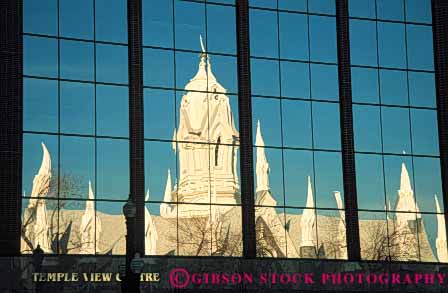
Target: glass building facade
pixel 78 130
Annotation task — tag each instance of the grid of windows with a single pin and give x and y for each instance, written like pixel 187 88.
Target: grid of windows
pixel 395 128
pixel 295 111
pixel 75 126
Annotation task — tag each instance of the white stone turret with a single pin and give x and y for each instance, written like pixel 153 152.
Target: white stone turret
pixel 308 220
pixel 441 245
pixel 151 235
pixel 262 166
pixel 406 201
pixel 166 208
pixel 90 228
pixel 341 247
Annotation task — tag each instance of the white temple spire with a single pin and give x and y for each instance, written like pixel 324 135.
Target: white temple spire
pixel 202 44
pixel 151 235
pixel 308 220
pixel 406 201
pixel 441 245
pixel 90 228
pixel 166 207
pixel 405 182
pixel 262 167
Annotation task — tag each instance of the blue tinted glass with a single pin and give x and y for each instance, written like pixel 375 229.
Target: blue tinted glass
pixel 420 49
pixel 427 183
pixel 112 169
pixel 392 176
pixel 221 31
pixel 392 50
pixel 424 132
pixel 76 19
pixel 264 77
pixel 393 87
pixel 267 111
pixel 295 79
pixel 77 108
pixel 370 182
pixel 263 33
pixel 298 165
pixel 40 17
pixel 323 39
pixel 112 110
pixel 365 85
pixel 187 65
pixel 328 168
pixel 326 126
pixel 274 157
pixel 322 6
pixel 76 60
pixel 158 68
pixel 295 5
pixel 159 106
pixel 263 3
pixel 363 43
pixel 367 128
pixel 418 11
pixel 324 82
pixel 158 23
pixel 396 130
pixel 422 89
pixel 189 24
pixel 111 20
pixel 362 8
pixel 296 122
pixel 390 9
pixel 293 36
pixel 225 71
pixel 40 56
pixel 111 63
pixel 40 105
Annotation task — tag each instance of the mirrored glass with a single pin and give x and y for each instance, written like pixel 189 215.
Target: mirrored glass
pixel 158 67
pixel 160 113
pixel 396 130
pixel 373 235
pixel 40 17
pixel 40 105
pixel 274 159
pixel 70 14
pixel 324 82
pixel 158 23
pixel 326 126
pixel 112 63
pixel 264 77
pixel 267 111
pixel 331 238
pixel 418 11
pixel 424 132
pixel 224 69
pixel 323 39
pixel 112 111
pixel 390 9
pixel 40 56
pixel 76 60
pixel 422 90
pixel 270 234
pixel 420 49
pixel 112 238
pixel 362 8
pixel 263 3
pixel 403 234
pixel 221 29
pixel 363 42
pixel 111 20
pixel 365 86
pixel 398 175
pixel 295 81
pixel 394 87
pixel 298 166
pixel 428 234
pixel 189 24
pixel 428 183
pixel 322 6
pixel 367 128
pixel 294 5
pixel 328 178
pixel 296 123
pixel 293 30
pixel 391 42
pixel 263 33
pixel 77 108
pixel 370 182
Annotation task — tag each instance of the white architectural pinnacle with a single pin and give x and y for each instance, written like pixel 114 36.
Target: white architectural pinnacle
pixel 308 220
pixel 262 166
pixel 342 251
pixel 406 201
pixel 151 235
pixel 441 245
pixel 166 208
pixel 90 228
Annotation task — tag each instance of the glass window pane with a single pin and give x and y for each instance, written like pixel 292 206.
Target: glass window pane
pixel 160 113
pixel 326 126
pixel 370 182
pixel 112 63
pixel 323 39
pixel 264 77
pixel 363 42
pixel 362 8
pixel 390 9
pixel 298 165
pixel 295 79
pixel 158 68
pixel 40 105
pixel 77 60
pixel 224 68
pixel 322 6
pixel 422 89
pixel 112 169
pixel 296 118
pixel 189 24
pixel 427 239
pixel 391 41
pixel 424 132
pixel 263 3
pixel 420 48
pixel 394 87
pixel 294 5
pixel 263 33
pixel 367 128
pixel 70 14
pixel 324 82
pixel 373 235
pixel 40 56
pixel 331 238
pixel 418 11
pixel 267 111
pixel 111 20
pixel 428 183
pixel 115 242
pixel 293 36
pixel 274 158
pixel 328 178
pixel 396 130
pixel 396 168
pixel 221 29
pixel 77 108
pixel 158 23
pixel 40 17
pixel 365 87
pixel 112 111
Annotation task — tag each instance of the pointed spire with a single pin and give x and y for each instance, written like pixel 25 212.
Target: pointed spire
pixel 338 197
pixel 151 236
pixel 405 182
pixel 202 43
pixel 174 145
pixel 442 252
pixel 309 197
pixel 262 167
pixel 90 204
pixel 147 195
pixel 167 197
pixel 308 220
pixel 45 167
